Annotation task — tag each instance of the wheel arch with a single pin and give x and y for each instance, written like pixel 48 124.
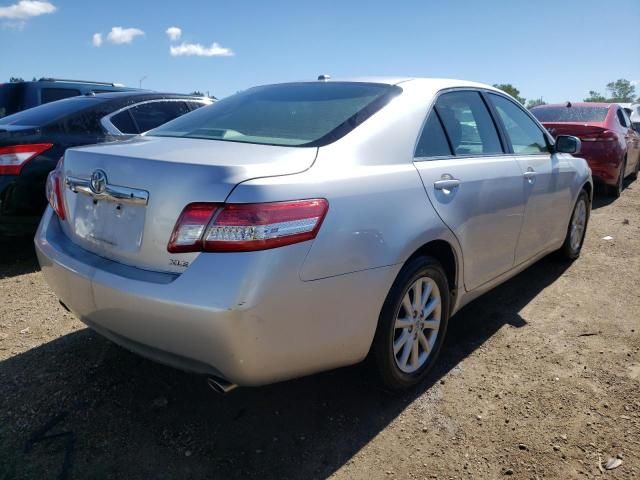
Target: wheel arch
pixel 444 252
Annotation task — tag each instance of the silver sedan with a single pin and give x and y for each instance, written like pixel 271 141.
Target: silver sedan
pixel 299 227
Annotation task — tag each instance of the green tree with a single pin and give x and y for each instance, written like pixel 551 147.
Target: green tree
pixel 536 102
pixel 197 93
pixel 16 79
pixel 595 97
pixel 621 91
pixel 511 90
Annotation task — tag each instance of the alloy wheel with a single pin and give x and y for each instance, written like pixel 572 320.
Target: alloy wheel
pixel 417 324
pixel 578 224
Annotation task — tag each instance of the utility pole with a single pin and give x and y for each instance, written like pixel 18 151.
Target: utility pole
pixel 140 81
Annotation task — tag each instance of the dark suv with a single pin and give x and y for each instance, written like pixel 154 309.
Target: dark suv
pixel 18 96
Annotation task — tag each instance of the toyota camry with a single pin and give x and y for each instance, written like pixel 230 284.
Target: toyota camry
pixel 300 227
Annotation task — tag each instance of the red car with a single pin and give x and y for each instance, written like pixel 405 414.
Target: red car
pixel 609 144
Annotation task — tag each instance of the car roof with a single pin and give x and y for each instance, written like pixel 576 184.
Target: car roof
pixel 423 83
pixel 145 93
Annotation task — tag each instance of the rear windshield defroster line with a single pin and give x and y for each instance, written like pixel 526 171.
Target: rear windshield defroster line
pixel 295 114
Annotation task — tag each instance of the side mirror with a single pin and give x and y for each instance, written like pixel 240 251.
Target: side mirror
pixel 568 144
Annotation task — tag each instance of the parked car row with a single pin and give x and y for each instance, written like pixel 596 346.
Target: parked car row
pixel 299 227
pixel 610 144
pixel 32 141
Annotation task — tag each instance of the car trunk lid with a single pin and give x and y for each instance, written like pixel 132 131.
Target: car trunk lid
pixel 574 128
pixel 143 184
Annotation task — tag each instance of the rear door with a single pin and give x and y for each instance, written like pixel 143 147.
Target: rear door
pixel 474 185
pixel 547 179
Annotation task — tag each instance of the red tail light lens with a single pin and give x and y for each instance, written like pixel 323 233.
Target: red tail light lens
pixel 54 190
pixel 606 136
pixel 237 227
pixel 14 157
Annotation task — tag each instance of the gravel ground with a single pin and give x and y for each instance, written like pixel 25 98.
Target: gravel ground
pixel 538 379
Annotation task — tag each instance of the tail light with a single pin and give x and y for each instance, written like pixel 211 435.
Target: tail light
pixel 246 227
pixel 14 157
pixel 54 190
pixel 606 136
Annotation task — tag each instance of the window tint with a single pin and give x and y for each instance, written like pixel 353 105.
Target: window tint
pixel 52 94
pixel 195 105
pixel 562 113
pixel 468 124
pixel 123 122
pixel 291 114
pixel 525 135
pixel 622 118
pixel 10 98
pixel 153 114
pixel 433 142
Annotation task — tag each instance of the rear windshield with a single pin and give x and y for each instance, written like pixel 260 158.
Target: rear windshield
pixel 570 114
pixel 294 114
pixel 49 112
pixel 10 98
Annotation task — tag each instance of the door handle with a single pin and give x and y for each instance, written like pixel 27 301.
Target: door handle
pixel 447 183
pixel 530 175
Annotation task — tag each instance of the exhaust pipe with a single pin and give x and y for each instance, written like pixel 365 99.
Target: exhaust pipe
pixel 220 385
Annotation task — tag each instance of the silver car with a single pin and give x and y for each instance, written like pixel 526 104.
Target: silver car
pixel 300 227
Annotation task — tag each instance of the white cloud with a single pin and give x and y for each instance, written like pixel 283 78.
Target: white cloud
pixel 119 35
pixel 97 39
pixel 200 50
pixel 174 33
pixel 26 9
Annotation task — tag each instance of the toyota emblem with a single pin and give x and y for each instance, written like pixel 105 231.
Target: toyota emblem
pixel 98 182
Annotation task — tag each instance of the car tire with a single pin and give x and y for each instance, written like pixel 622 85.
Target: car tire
pixel 577 228
pixel 403 364
pixel 616 190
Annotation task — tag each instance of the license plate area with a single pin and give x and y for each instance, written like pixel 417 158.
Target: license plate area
pixel 109 225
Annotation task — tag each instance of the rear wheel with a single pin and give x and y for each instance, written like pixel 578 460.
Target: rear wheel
pixel 412 324
pixel 577 228
pixel 616 190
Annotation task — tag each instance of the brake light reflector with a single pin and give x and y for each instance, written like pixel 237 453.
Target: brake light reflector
pixel 187 234
pixel 14 157
pixel 247 227
pixel 54 190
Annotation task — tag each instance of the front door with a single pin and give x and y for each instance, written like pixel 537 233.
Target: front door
pixel 546 180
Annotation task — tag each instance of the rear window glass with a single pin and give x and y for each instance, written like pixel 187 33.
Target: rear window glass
pixel 570 114
pixel 153 114
pixel 10 98
pixel 49 112
pixel 295 114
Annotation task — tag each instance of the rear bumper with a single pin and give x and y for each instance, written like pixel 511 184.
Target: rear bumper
pixel 246 317
pixel 605 162
pixel 20 208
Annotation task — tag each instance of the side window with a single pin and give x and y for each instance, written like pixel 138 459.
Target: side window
pixel 468 124
pixel 433 142
pixel 123 122
pixel 195 105
pixel 52 94
pixel 526 137
pixel 622 118
pixel 153 114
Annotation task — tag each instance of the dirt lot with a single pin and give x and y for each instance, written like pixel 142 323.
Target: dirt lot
pixel 538 379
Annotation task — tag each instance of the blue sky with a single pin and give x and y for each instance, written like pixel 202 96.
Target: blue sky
pixel 555 49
